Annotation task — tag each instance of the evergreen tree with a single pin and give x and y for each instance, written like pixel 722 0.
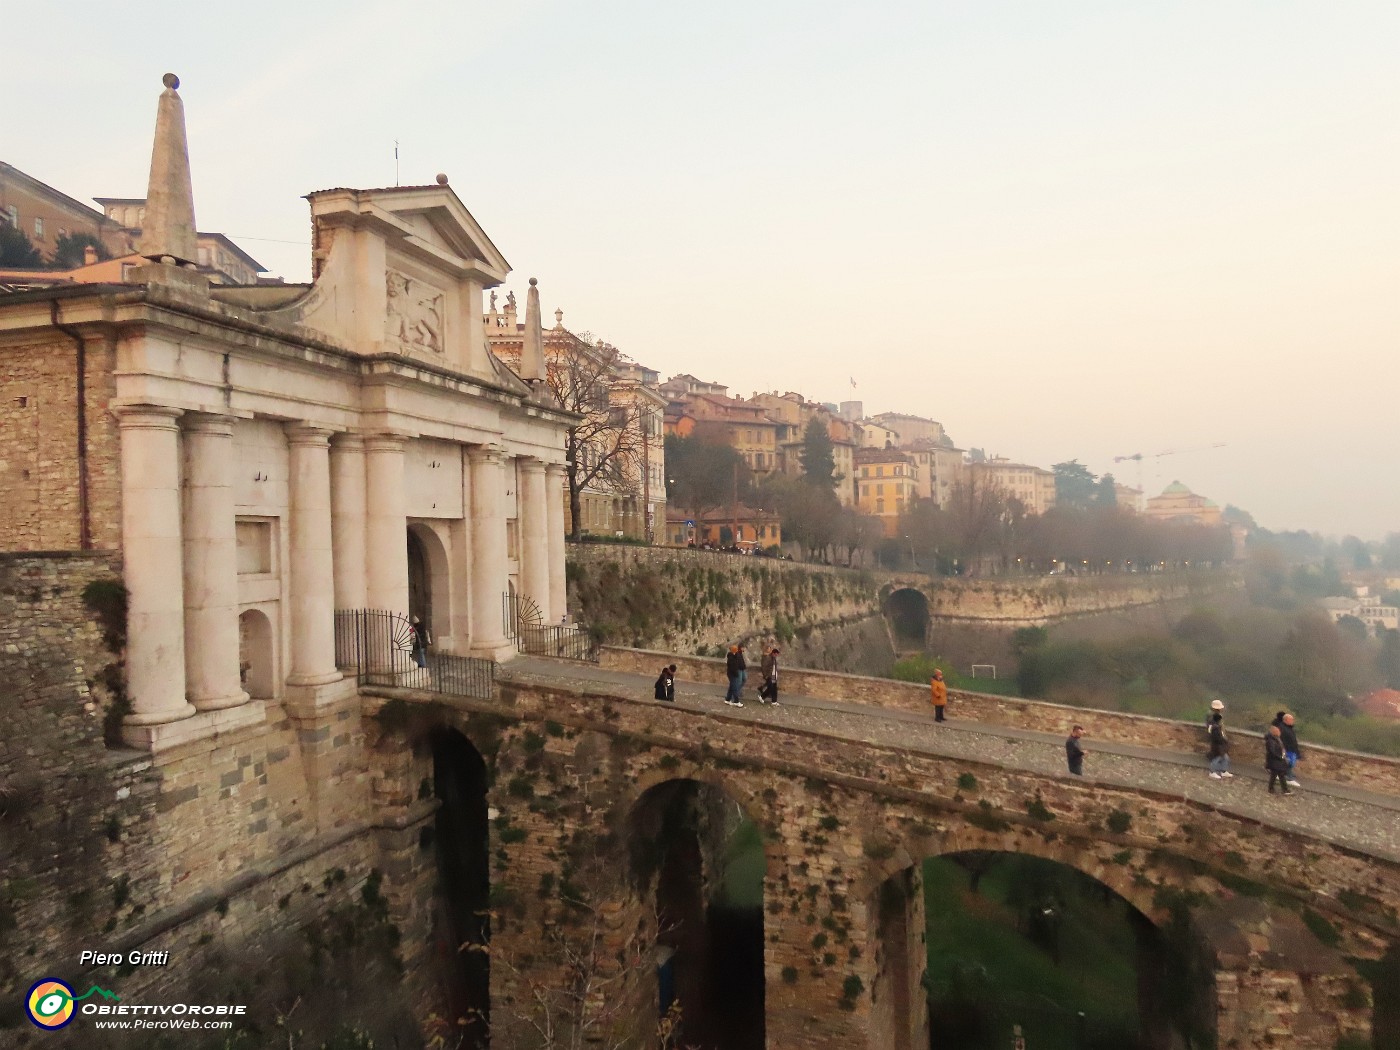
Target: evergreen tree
pixel 1074 485
pixel 68 252
pixel 818 456
pixel 16 249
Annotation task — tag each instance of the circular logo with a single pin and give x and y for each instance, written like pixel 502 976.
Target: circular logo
pixel 50 1003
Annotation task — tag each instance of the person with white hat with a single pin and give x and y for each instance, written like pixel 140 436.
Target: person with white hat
pixel 1219 743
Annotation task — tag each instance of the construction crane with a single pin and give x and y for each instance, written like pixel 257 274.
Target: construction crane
pixel 1138 457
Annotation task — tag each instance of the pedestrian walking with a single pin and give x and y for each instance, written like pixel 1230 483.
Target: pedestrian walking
pixel 1289 735
pixel 1275 761
pixel 768 691
pixel 737 668
pixel 939 689
pixel 1219 748
pixel 421 640
pixel 1074 751
pixel 665 688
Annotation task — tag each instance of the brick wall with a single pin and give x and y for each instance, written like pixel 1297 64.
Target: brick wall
pixel 39 447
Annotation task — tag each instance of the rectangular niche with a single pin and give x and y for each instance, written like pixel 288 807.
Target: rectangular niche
pixel 254 542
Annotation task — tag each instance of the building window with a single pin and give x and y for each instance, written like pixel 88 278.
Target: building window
pixel 38 229
pixel 13 214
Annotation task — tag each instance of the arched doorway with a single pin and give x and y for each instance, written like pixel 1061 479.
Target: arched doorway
pixel 256 654
pixel 1007 939
pixel 698 856
pixel 420 581
pixel 464 884
pixel 906 609
pixel 430 584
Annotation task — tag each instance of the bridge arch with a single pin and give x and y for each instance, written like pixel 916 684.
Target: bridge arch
pixel 699 864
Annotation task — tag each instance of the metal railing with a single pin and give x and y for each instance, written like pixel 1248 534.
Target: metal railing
pixel 380 647
pixel 524 626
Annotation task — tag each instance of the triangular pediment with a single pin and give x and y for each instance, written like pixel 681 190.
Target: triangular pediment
pixel 433 216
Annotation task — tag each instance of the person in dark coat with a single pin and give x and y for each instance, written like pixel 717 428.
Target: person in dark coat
pixel 1275 761
pixel 665 688
pixel 1219 749
pixel 737 668
pixel 768 691
pixel 1289 735
pixel 1074 751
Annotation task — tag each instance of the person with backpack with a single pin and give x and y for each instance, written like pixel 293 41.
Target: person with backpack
pixel 768 691
pixel 1289 736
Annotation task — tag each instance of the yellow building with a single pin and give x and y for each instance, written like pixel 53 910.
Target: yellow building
pixel 1032 487
pixel 744 527
pixel 1178 503
pixel 885 485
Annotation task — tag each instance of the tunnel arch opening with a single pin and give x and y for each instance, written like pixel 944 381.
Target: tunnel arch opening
pixel 972 942
pixel 462 918
pixel 907 611
pixel 698 859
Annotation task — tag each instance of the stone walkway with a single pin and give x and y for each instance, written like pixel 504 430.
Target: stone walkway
pixel 1338 813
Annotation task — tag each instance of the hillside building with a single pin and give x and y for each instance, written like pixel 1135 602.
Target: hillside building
pixel 1178 503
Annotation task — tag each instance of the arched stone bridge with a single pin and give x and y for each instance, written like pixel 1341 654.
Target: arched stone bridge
pixel 606 811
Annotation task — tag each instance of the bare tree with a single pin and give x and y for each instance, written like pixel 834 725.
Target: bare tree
pixel 606 450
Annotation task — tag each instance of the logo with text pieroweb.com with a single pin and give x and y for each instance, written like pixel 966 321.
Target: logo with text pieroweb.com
pixel 51 1002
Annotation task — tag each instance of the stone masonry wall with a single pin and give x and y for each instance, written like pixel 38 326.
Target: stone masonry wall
pixel 1325 763
pixel 39 447
pixel 840 820
pixel 225 852
pixel 1020 601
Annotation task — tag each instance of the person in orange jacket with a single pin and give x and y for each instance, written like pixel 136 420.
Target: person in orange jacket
pixel 940 694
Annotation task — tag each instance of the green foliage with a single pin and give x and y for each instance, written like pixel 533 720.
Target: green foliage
pixel 17 250
pixel 1119 821
pixel 68 253
pixel 967 782
pixel 1037 810
pixel 1321 928
pixel 704 472
pixel 818 456
pixel 789 974
pixel 1074 484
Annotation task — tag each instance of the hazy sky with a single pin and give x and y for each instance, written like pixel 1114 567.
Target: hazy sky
pixel 1063 229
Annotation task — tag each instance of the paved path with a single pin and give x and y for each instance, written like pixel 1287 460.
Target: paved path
pixel 1339 813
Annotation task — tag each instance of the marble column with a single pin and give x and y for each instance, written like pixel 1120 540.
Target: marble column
pixel 386 524
pixel 151 558
pixel 348 520
pixel 554 490
pixel 488 573
pixel 534 534
pixel 212 678
pixel 312 564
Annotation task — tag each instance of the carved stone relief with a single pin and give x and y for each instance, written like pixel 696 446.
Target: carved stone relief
pixel 415 312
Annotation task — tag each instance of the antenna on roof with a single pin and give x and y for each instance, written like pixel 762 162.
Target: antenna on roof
pixel 396 162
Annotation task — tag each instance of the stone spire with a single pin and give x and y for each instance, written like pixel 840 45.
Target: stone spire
pixel 532 348
pixel 167 232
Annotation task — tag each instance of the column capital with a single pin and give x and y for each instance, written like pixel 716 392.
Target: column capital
pixel 531 465
pixel 485 453
pixel 349 440
pixel 304 434
pixel 157 417
pixel 556 470
pixel 208 423
pixel 385 442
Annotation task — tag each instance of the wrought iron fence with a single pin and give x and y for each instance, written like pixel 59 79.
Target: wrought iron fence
pixel 381 648
pixel 525 627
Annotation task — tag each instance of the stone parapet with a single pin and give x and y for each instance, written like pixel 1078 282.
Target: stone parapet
pixel 1372 772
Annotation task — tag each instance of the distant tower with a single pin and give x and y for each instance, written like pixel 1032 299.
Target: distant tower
pixel 853 410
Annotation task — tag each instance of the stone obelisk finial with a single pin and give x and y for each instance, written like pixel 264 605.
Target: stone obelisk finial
pixel 532 350
pixel 167 232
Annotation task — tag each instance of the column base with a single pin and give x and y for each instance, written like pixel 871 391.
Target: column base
pixel 198 726
pixel 497 649
pixel 327 678
pixel 160 718
pixel 306 701
pixel 221 703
